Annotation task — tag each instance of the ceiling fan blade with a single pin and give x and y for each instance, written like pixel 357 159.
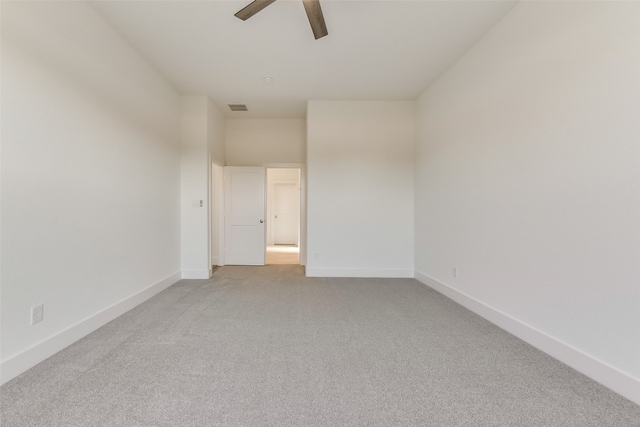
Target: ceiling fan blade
pixel 316 18
pixel 252 8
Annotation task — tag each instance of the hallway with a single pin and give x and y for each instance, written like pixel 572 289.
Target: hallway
pixel 283 254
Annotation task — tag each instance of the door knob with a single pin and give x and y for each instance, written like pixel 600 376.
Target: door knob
pixel 261 221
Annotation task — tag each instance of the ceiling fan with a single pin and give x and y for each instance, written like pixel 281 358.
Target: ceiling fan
pixel 312 7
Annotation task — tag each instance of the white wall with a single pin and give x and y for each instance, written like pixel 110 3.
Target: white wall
pixel 216 138
pixel 90 178
pixel 202 147
pixel 360 188
pixel 216 134
pixel 195 187
pixel 528 181
pixel 254 142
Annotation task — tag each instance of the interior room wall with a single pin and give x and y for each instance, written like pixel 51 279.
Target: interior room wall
pixel 195 166
pixel 360 188
pixel 254 142
pixel 202 147
pixel 216 134
pixel 90 179
pixel 528 182
pixel 216 137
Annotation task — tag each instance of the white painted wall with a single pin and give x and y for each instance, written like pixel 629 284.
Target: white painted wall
pixel 216 138
pixel 254 142
pixel 528 180
pixel 90 176
pixel 360 188
pixel 202 145
pixel 216 134
pixel 195 187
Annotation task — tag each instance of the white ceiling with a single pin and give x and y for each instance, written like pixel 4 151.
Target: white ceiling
pixel 384 50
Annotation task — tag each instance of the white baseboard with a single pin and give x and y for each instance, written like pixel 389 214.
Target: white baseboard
pixel 26 359
pixel 607 375
pixel 197 274
pixel 214 260
pixel 359 272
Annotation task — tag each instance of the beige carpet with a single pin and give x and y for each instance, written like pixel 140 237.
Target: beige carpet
pixel 265 346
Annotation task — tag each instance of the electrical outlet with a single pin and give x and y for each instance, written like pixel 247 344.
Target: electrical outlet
pixel 454 271
pixel 37 314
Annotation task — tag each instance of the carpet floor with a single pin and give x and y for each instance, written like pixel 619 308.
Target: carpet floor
pixel 265 346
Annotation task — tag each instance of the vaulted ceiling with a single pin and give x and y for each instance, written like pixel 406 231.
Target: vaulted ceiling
pixel 385 50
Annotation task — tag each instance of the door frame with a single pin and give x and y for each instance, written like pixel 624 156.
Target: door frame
pixel 216 214
pixel 303 203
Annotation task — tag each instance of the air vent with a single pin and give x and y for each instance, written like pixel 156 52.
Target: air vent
pixel 238 107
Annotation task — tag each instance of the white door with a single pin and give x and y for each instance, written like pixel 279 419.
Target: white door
pixel 286 213
pixel 244 238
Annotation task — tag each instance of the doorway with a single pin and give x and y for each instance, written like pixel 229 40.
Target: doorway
pixel 244 228
pixel 283 216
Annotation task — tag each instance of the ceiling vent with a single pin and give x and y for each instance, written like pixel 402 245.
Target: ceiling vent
pixel 238 107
